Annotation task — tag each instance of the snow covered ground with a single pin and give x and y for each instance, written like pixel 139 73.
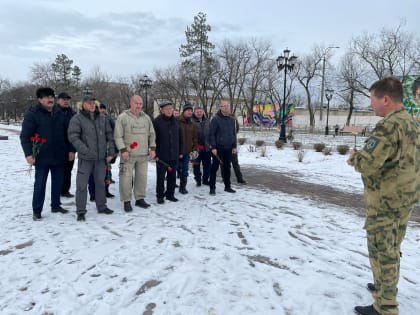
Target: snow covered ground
pixel 243 253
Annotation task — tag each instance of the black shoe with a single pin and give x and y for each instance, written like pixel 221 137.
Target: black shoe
pixel 127 206
pixel 37 217
pixel 142 204
pixel 160 200
pixel 109 195
pixel 198 184
pixel 171 198
pixel 59 209
pixel 206 182
pixel 366 310
pixel 92 198
pixel 242 181
pixel 67 195
pixel 213 191
pixel 81 217
pixel 230 190
pixel 106 211
pixel 371 287
pixel 183 191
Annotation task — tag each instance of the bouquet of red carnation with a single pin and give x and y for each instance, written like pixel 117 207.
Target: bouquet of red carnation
pixel 133 145
pixel 37 143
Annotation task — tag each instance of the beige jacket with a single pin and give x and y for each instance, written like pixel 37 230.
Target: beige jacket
pixel 131 129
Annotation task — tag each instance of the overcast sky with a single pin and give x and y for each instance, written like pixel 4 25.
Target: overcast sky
pixel 127 37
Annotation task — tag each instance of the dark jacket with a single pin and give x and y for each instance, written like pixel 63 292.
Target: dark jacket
pixel 202 127
pixel 169 141
pixel 222 133
pixel 92 138
pixel 68 114
pixel 189 132
pixel 51 126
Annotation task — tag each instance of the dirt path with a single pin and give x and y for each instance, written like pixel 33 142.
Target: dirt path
pixel 278 182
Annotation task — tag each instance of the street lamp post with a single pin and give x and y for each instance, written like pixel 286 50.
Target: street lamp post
pixel 285 63
pixel 323 80
pixel 145 84
pixel 3 110
pixel 328 94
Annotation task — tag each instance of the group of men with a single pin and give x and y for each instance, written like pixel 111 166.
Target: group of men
pixel 389 164
pixel 97 139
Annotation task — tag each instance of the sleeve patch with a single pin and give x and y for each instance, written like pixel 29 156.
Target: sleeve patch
pixel 371 144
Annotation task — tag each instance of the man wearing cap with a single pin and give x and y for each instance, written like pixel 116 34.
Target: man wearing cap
pixel 135 139
pixel 91 134
pixel 169 144
pixel 45 126
pixel 63 101
pixel 189 133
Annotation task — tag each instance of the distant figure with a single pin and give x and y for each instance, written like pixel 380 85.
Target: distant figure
pixel 135 139
pixel 389 164
pixel 90 132
pixel 45 144
pixel 336 129
pixel 64 103
pixel 169 144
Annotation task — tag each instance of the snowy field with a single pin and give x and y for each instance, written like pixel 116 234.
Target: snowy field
pixel 229 254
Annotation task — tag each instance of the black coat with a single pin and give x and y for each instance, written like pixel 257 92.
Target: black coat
pixel 51 126
pixel 202 131
pixel 222 133
pixel 68 114
pixel 169 141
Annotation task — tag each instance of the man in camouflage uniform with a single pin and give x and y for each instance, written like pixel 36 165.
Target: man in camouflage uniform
pixel 389 164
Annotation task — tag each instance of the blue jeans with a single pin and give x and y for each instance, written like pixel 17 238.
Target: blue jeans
pixel 41 175
pixel 184 165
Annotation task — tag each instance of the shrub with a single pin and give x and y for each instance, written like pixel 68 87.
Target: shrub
pixel 241 141
pixel 343 149
pixel 297 145
pixel 279 144
pixel 259 143
pixel 327 151
pixel 318 147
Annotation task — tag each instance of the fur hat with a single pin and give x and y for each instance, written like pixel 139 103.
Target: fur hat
pixel 186 107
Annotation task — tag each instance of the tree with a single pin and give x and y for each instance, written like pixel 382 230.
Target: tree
pixel 63 68
pixel 197 53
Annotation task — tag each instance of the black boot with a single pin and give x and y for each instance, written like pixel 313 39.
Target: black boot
pixel 81 217
pixel 127 206
pixel 108 194
pixel 366 310
pixel 182 187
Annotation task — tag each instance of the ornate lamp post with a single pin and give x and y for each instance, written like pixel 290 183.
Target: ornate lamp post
pixel 323 80
pixel 145 84
pixel 285 63
pixel 328 94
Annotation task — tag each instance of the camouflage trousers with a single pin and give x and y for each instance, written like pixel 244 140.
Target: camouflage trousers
pixel 384 238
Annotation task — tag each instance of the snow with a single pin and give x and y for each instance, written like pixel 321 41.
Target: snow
pixel 253 252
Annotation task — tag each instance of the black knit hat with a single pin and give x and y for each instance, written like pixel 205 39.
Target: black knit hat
pixel 187 106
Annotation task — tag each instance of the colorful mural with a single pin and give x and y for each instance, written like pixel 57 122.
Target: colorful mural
pixel 411 85
pixel 268 115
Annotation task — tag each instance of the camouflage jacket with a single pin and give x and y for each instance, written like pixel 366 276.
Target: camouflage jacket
pixel 389 164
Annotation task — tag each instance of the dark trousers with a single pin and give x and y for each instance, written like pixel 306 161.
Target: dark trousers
pixel 41 175
pixel 204 158
pixel 161 173
pixel 184 165
pixel 236 168
pixel 68 167
pixel 225 156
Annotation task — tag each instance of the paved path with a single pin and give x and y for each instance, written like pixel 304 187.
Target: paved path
pixel 278 182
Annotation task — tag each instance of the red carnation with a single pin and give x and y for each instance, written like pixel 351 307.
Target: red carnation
pixel 133 145
pixel 170 169
pixel 200 147
pixel 43 140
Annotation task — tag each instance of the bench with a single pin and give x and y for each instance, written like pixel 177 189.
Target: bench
pixel 353 130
